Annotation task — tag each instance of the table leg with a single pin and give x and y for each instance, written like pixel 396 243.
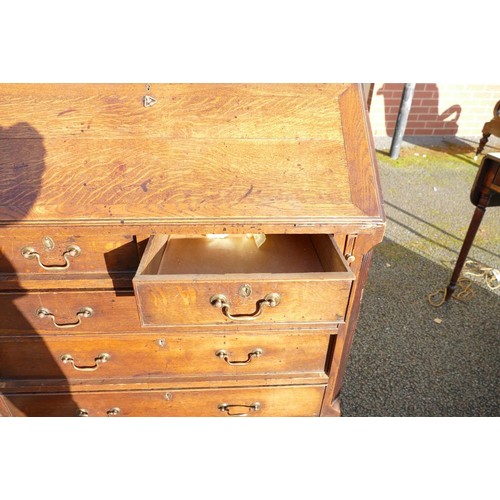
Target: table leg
pixel 469 239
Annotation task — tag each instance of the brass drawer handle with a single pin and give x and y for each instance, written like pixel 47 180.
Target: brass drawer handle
pixel 257 353
pixel 112 412
pixel 71 251
pixel 225 408
pixel 84 312
pixel 349 258
pixel 220 301
pixel 102 358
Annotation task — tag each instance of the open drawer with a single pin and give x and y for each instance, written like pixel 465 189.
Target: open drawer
pixel 197 280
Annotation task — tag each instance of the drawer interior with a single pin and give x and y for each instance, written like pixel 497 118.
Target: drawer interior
pixel 239 254
pixel 196 280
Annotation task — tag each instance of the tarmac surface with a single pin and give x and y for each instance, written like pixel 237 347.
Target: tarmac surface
pixel 409 358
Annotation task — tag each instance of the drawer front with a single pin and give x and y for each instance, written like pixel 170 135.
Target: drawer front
pixel 266 402
pixel 186 280
pixel 64 252
pixel 195 302
pixel 67 312
pixel 152 356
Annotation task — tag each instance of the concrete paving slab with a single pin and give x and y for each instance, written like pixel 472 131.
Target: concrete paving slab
pixel 403 362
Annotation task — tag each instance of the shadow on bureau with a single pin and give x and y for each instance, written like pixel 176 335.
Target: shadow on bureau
pixel 22 164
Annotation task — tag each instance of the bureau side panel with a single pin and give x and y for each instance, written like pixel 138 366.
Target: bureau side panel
pixel 363 252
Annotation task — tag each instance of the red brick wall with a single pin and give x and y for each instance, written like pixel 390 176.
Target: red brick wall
pixel 437 109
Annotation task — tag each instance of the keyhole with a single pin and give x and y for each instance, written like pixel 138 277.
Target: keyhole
pixel 245 290
pixel 48 243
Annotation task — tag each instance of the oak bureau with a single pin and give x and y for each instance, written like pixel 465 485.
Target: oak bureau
pixel 182 249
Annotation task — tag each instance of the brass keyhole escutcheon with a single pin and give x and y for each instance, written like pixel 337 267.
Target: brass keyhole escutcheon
pixel 48 243
pixel 245 291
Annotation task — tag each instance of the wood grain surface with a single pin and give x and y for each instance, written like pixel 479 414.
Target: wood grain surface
pixel 4 409
pixel 60 385
pixel 274 402
pixel 360 155
pixel 362 247
pixel 113 312
pixel 141 178
pixel 101 252
pixel 171 299
pixel 318 299
pixel 149 356
pixel 227 154
pixel 89 164
pixel 189 111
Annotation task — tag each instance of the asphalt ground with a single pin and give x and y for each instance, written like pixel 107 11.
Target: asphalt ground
pixel 409 358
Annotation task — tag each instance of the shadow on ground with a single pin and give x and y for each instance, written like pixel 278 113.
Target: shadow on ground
pixel 403 363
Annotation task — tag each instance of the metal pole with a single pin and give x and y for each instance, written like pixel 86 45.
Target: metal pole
pixel 404 111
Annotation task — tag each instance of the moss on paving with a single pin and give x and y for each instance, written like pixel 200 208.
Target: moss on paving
pixel 436 157
pixel 434 162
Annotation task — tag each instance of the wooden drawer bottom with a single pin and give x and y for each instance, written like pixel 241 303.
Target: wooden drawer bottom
pixel 287 401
